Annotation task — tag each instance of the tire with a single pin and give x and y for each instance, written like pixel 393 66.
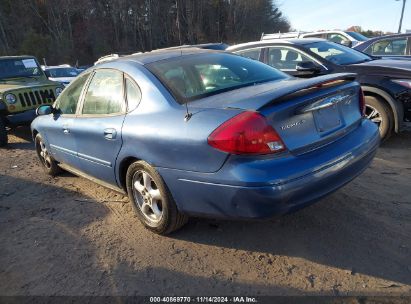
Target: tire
pixel 379 112
pixel 151 199
pixel 47 161
pixel 3 132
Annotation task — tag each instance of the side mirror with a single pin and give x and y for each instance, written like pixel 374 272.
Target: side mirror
pixel 44 110
pixel 347 43
pixel 307 68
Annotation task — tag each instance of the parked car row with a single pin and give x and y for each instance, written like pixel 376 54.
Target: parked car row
pixel 347 38
pixel 396 46
pixel 386 83
pixel 259 130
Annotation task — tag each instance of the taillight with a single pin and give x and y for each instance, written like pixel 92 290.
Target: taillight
pixel 362 103
pixel 246 133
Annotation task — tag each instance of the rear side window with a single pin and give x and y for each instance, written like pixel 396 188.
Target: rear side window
pixel 285 58
pixel 313 36
pixel 337 38
pixel 105 93
pixel 394 47
pixel 69 98
pixel 192 77
pixel 133 94
pixel 252 54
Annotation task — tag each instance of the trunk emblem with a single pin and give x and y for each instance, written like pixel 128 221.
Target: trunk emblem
pixel 294 124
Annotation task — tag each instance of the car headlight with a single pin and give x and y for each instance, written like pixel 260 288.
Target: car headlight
pixel 404 82
pixel 11 98
pixel 58 91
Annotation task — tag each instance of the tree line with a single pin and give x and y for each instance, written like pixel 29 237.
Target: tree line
pixel 80 31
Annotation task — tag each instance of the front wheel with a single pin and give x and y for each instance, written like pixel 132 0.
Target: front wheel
pixel 3 132
pixel 151 199
pixel 378 112
pixel 46 160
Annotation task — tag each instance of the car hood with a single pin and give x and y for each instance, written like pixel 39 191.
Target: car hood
pixel 7 85
pixel 386 67
pixel 62 79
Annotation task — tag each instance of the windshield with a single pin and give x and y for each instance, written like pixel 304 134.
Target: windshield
pixel 22 67
pixel 336 53
pixel 193 77
pixel 63 72
pixel 357 36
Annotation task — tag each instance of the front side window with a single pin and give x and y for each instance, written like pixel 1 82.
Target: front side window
pixel 69 98
pixel 336 53
pixel 105 93
pixel 284 58
pixel 394 47
pixel 252 54
pixel 197 76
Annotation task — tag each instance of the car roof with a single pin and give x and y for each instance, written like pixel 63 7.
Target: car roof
pixel 16 57
pixel 292 41
pixel 389 36
pixel 163 54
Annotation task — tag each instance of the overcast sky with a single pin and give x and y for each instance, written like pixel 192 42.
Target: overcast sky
pixel 311 15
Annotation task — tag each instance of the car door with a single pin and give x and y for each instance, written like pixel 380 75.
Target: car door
pixel 97 128
pixel 57 132
pixel 286 59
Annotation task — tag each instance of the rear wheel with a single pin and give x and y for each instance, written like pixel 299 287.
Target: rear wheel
pixel 3 132
pixel 378 112
pixel 151 199
pixel 47 161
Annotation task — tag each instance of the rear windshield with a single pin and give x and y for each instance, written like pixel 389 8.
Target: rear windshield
pixel 337 53
pixel 22 67
pixel 193 77
pixel 63 72
pixel 357 36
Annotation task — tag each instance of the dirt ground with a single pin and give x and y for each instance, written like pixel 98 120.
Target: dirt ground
pixel 68 236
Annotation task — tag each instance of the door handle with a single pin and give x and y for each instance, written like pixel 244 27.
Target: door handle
pixel 110 133
pixel 66 129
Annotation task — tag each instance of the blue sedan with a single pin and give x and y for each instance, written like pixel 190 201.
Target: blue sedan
pixel 206 133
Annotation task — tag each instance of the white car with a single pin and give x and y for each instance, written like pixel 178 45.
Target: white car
pixel 61 73
pixel 346 38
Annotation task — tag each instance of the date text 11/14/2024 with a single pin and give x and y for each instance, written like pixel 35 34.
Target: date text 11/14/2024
pixel 203 299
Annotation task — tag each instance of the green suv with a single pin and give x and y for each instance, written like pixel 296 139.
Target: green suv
pixel 23 88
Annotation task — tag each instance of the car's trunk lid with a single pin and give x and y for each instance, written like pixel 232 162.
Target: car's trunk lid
pixel 307 114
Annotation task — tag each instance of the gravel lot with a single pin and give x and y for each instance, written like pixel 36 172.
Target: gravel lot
pixel 68 236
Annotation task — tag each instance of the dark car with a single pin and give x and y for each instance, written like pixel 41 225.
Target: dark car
pixel 200 132
pixel 386 83
pixel 390 46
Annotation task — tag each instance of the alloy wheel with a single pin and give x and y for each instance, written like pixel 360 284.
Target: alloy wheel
pixel 372 114
pixel 44 155
pixel 147 196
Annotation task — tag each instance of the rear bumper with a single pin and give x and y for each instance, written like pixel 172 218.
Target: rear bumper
pixel 23 118
pixel 246 188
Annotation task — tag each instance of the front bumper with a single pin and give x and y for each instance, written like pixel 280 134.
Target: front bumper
pixel 246 188
pixel 23 118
